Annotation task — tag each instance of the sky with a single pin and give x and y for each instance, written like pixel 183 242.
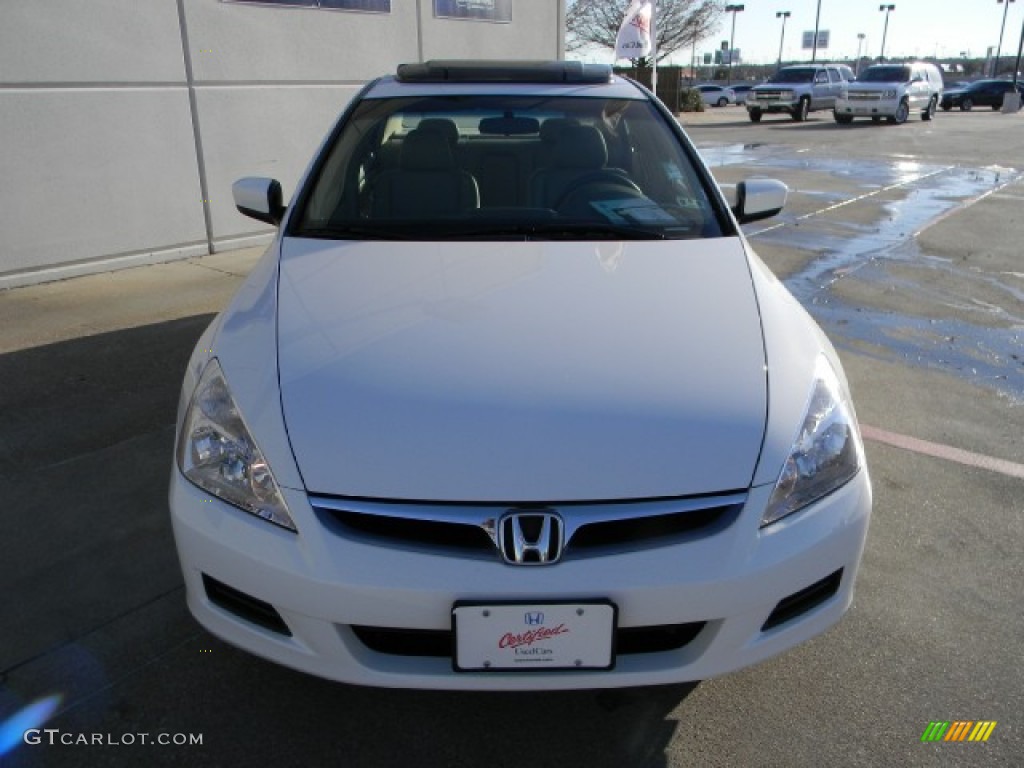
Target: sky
pixel 916 28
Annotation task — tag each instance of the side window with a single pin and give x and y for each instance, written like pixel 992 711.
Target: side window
pixel 834 76
pixel 821 77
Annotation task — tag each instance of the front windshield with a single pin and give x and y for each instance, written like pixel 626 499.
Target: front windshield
pixel 793 76
pixel 885 75
pixel 506 167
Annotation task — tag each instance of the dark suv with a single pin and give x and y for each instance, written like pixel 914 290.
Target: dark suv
pixel 981 93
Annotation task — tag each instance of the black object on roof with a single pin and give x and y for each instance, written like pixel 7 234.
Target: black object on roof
pixel 483 71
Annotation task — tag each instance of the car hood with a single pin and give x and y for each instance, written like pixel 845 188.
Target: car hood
pixel 874 86
pixel 527 371
pixel 780 86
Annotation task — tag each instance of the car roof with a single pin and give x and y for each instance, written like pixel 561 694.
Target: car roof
pixel 467 77
pixel 503 71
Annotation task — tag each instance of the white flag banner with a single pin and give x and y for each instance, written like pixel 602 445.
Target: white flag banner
pixel 634 38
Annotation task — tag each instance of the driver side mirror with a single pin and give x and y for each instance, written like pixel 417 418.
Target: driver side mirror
pixel 756 199
pixel 259 199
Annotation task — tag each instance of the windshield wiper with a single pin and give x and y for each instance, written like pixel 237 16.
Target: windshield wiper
pixel 553 231
pixel 357 232
pixel 595 231
pixel 502 231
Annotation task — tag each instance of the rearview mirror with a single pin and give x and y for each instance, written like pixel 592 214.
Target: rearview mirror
pixel 259 199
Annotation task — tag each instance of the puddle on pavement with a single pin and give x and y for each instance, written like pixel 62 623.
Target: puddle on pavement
pixel 989 353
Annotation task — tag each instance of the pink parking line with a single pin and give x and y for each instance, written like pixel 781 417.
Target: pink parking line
pixel 939 451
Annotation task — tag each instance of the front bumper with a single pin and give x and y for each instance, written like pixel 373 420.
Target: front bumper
pixel 772 105
pixel 321 585
pixel 867 107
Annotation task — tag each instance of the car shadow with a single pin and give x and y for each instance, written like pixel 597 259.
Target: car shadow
pixel 253 712
pixel 86 446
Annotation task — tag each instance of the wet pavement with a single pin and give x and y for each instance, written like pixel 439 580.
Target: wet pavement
pixel 864 273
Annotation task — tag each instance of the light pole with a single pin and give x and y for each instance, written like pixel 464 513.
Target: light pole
pixel 860 41
pixel 1020 50
pixel 733 9
pixel 999 48
pixel 814 45
pixel 885 32
pixel 782 15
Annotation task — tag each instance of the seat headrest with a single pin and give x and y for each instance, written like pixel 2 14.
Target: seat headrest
pixel 580 146
pixel 426 151
pixel 443 125
pixel 508 125
pixel 551 129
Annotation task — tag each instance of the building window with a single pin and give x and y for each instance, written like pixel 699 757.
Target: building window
pixel 370 6
pixel 366 6
pixel 478 10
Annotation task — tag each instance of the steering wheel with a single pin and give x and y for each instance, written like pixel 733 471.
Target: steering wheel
pixel 595 177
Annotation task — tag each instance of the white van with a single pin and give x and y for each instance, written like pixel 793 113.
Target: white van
pixel 892 91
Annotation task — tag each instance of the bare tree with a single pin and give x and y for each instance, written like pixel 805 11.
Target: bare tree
pixel 679 23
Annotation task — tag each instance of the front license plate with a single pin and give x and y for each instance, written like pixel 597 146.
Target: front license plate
pixel 533 637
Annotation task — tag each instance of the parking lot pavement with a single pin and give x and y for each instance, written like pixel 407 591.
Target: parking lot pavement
pixel 94 610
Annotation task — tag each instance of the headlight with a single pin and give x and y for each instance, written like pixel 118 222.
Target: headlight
pixel 826 454
pixel 216 452
pixel 786 95
pixel 889 94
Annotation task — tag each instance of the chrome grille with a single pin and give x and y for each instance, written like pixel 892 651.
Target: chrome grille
pixel 472 530
pixel 864 96
pixel 439 643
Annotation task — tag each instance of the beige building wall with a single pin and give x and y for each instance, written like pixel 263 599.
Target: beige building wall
pixel 123 123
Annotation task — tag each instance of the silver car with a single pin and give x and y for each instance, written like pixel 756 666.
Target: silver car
pixel 717 95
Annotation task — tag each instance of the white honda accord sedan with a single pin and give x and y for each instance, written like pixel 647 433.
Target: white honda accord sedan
pixel 510 403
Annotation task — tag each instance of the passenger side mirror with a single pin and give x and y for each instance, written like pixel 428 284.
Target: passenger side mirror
pixel 756 199
pixel 259 199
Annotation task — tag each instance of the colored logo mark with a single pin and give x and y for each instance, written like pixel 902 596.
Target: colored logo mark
pixel 958 730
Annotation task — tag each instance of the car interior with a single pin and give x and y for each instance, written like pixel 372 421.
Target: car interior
pixel 422 165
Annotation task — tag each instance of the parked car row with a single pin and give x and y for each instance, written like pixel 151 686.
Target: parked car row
pixel 892 91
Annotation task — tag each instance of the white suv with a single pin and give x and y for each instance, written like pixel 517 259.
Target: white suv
pixel 892 91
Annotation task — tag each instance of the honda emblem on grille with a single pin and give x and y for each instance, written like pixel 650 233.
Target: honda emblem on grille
pixel 531 537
